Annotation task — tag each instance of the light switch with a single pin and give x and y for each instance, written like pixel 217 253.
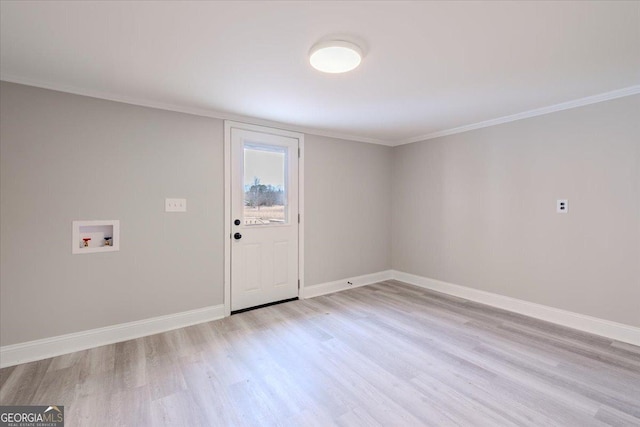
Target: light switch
pixel 562 206
pixel 175 205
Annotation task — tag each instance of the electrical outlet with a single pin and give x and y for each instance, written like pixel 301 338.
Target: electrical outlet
pixel 175 205
pixel 562 206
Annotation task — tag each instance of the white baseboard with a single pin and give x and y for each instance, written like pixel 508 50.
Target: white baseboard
pixel 341 285
pixel 594 325
pixel 49 347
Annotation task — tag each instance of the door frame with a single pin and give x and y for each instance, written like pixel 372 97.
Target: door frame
pixel 228 125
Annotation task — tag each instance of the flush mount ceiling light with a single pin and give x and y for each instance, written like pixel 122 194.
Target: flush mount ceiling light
pixel 335 56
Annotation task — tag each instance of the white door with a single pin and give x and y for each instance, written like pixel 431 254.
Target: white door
pixel 264 218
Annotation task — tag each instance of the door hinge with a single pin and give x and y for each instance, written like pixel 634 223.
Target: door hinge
pixel 298 283
pixel 298 218
pixel 298 152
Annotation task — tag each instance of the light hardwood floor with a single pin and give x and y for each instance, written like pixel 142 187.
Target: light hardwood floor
pixel 385 354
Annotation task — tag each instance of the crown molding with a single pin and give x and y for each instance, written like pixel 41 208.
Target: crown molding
pixel 606 96
pixel 614 94
pixel 204 112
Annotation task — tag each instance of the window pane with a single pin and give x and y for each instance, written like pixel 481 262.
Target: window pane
pixel 265 192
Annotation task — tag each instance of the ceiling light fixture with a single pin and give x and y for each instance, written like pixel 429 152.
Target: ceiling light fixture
pixel 335 56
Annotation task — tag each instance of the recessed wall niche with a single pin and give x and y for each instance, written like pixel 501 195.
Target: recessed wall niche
pixel 95 236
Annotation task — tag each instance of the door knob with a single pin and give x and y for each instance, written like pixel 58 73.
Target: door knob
pixel 237 236
pixel 236 222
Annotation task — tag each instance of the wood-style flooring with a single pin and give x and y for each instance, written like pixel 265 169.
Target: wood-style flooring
pixel 386 354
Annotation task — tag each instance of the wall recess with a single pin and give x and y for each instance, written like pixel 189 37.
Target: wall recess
pixel 95 236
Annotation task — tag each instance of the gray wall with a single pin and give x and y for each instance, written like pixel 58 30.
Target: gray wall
pixel 66 157
pixel 475 209
pixel 348 215
pixel 478 209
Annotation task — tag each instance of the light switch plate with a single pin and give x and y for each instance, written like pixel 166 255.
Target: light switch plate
pixel 175 205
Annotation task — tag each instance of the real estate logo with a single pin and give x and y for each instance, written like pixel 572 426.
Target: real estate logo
pixel 32 416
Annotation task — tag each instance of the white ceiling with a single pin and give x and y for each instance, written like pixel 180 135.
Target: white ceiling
pixel 428 66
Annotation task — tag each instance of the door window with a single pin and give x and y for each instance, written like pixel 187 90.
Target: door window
pixel 265 184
